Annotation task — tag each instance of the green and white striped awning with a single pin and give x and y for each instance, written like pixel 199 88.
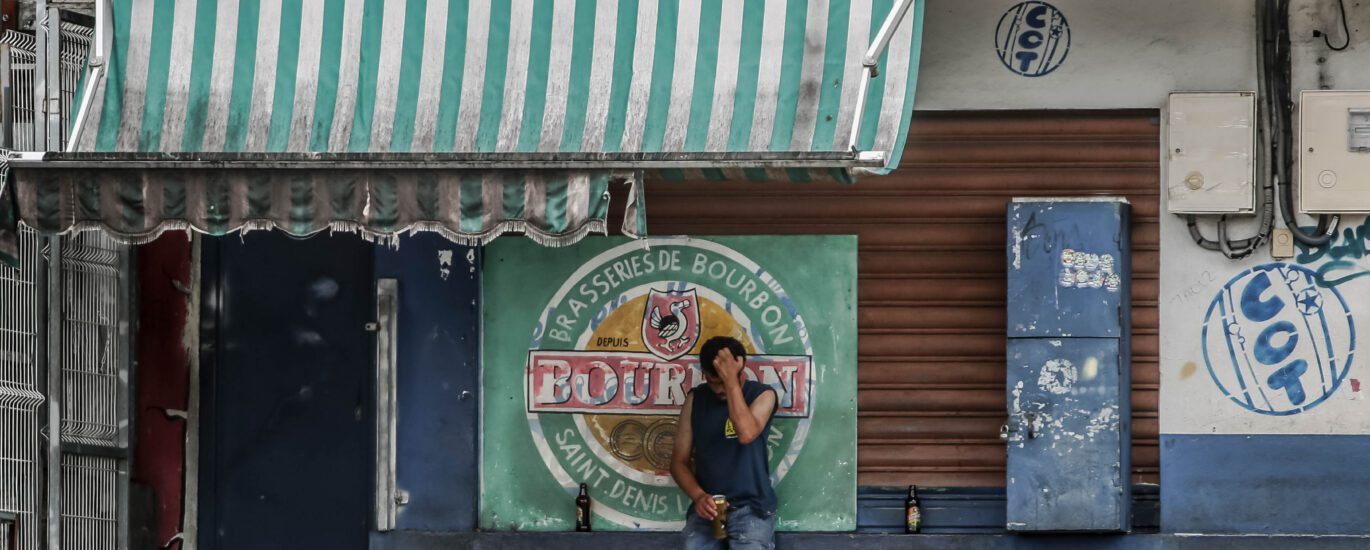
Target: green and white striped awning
pixel 597 82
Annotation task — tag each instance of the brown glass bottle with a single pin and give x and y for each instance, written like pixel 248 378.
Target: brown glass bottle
pixel 583 510
pixel 913 517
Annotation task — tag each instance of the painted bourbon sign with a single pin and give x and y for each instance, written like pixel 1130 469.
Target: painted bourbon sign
pixel 613 354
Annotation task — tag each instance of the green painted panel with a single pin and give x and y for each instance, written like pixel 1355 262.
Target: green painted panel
pixel 546 429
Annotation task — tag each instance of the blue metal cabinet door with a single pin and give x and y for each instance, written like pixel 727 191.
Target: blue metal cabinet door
pixel 1068 267
pixel 1067 435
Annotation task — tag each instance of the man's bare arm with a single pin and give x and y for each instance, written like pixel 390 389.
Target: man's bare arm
pixel 747 421
pixel 680 463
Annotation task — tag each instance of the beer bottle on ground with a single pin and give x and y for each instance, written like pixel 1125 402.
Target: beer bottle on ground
pixel 913 517
pixel 583 510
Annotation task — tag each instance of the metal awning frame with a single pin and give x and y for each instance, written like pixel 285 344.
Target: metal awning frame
pixel 448 161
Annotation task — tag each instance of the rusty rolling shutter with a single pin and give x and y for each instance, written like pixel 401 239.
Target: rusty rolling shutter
pixel 932 282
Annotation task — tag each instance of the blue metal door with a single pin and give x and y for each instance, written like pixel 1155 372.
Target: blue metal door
pixel 1068 377
pixel 438 380
pixel 1065 470
pixel 287 378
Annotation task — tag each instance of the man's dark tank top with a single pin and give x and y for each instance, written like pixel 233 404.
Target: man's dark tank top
pixel 723 465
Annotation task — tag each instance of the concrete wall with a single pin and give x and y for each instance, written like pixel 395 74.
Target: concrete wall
pixel 1129 54
pixel 1122 55
pixel 1238 459
pixel 1246 447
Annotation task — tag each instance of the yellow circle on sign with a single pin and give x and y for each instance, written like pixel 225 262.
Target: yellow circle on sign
pixel 649 452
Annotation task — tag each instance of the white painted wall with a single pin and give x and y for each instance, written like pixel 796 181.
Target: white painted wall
pixel 1315 67
pixel 1191 401
pixel 1130 54
pixel 1123 54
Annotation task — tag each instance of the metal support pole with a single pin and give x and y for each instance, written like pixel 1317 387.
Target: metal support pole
pixel 125 437
pixel 870 65
pixel 882 38
pixel 7 101
pixel 40 75
pixel 190 517
pixel 52 65
pixel 54 394
pixel 98 55
pixel 869 73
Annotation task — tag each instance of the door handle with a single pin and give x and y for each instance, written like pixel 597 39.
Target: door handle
pixel 1028 419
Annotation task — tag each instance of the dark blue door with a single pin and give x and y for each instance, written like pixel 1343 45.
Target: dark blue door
pixel 437 380
pixel 287 391
pixel 1068 384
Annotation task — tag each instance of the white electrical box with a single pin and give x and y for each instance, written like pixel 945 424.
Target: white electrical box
pixel 1334 152
pixel 1210 153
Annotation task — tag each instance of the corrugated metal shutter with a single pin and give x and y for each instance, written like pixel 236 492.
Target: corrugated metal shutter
pixel 932 283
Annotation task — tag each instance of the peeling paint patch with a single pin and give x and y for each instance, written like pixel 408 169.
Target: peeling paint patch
pixel 1017 248
pixel 1057 376
pixel 444 263
pixel 1188 370
pixel 1355 385
pixel 1104 420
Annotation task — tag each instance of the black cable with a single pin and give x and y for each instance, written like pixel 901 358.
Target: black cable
pixel 1283 133
pixel 1344 31
pixel 1238 249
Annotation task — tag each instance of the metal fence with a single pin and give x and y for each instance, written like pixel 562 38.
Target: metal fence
pixel 74 53
pixel 90 502
pixel 92 339
pixel 94 397
pixel 88 498
pixel 9 531
pixel 20 391
pixel 23 58
pixel 75 49
pixel 92 401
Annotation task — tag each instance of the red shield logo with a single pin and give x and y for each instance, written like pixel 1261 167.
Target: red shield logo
pixel 670 322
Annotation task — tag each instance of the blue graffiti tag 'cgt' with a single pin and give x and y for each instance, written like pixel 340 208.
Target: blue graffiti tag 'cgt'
pixel 1277 343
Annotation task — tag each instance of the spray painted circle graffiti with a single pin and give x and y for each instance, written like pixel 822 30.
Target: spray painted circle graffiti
pixel 604 411
pixel 1032 38
pixel 1277 343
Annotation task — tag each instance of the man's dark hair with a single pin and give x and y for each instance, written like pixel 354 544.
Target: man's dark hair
pixel 710 350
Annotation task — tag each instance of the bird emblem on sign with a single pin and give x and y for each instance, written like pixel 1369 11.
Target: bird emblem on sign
pixel 670 322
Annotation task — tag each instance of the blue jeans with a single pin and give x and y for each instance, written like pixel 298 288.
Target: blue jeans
pixel 748 528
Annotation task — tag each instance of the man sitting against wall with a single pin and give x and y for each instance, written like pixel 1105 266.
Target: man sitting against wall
pixel 721 427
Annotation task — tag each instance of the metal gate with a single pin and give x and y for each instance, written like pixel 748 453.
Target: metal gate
pixel 94 391
pixel 64 333
pixel 89 399
pixel 21 306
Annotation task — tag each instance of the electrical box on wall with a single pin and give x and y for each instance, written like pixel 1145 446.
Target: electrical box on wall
pixel 1210 152
pixel 1334 152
